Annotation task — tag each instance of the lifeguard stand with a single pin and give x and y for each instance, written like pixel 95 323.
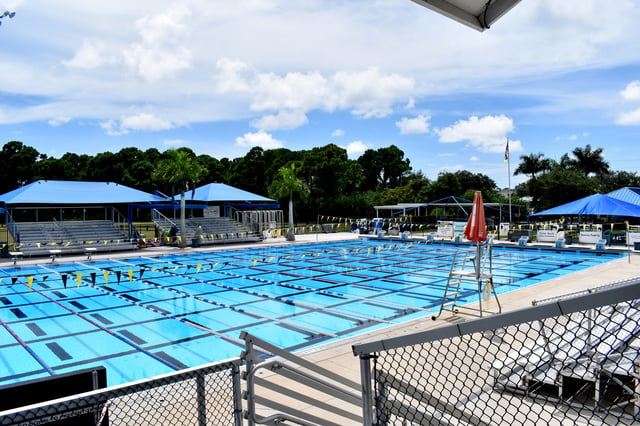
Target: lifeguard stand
pixel 470 273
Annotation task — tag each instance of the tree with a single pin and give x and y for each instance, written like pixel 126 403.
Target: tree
pixel 286 184
pixel 18 165
pixel 532 164
pixel 589 161
pixel 558 187
pixel 180 168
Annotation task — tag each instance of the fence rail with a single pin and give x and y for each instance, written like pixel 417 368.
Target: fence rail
pixel 207 395
pixel 571 361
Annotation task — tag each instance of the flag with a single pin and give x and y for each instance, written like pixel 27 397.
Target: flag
pixel 506 152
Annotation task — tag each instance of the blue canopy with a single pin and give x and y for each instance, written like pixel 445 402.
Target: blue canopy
pixel 628 194
pixel 596 205
pixel 60 192
pixel 222 192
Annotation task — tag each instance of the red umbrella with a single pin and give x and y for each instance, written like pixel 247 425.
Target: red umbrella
pixel 476 228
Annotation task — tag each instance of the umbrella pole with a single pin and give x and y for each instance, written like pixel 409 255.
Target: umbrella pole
pixel 479 274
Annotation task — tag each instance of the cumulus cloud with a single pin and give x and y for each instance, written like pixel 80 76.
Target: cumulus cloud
pixel 486 134
pixel 632 91
pixel 366 94
pixel 92 54
pixel 356 148
pixel 59 121
pixel 160 53
pixel 631 118
pixel 417 125
pixel 337 133
pixel 260 138
pixel 283 120
pixel 141 121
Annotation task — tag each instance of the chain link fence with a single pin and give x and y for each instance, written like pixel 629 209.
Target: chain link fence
pixel 208 395
pixel 571 361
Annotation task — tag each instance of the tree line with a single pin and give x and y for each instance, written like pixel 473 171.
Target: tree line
pixel 336 184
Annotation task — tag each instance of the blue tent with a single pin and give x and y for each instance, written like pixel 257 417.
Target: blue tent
pixel 595 205
pixel 222 192
pixel 60 192
pixel 628 194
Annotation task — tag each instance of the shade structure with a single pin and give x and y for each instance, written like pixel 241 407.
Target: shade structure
pixel 594 205
pixel 476 228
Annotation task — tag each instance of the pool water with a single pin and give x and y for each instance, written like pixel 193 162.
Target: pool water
pixel 142 316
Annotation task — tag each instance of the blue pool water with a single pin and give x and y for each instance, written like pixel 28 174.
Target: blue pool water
pixel 141 317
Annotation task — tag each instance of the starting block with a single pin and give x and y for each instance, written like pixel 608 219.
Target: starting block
pixel 522 242
pixel 600 244
pixel 560 243
pixel 54 253
pixel 90 252
pixel 15 255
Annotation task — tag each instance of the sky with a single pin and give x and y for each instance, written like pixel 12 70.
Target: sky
pixel 221 77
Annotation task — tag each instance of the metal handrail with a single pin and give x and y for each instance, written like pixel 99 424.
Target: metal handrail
pixel 309 374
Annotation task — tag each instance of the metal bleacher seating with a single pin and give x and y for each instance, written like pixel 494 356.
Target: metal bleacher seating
pixel 214 230
pixel 46 238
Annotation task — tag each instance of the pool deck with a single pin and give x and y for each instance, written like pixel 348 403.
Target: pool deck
pixel 338 356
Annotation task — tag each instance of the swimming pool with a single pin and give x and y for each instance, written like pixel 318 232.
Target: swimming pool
pixel 141 317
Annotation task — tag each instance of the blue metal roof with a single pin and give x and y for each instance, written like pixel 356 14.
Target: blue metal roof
pixel 60 192
pixel 597 204
pixel 223 192
pixel 628 194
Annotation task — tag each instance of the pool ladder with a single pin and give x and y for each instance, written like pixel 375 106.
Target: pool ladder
pixel 460 273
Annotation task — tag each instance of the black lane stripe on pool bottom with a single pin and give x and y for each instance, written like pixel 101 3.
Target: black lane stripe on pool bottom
pixel 35 329
pixel 102 319
pixel 58 351
pixel 171 360
pixel 77 304
pixel 135 339
pixel 5 301
pixel 18 313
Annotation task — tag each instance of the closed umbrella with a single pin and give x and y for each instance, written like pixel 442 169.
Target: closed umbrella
pixel 476 229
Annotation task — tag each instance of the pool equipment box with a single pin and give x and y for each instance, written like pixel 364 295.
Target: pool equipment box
pixel 17 395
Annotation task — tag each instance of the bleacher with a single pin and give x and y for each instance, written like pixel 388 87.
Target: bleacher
pixel 40 238
pixel 215 230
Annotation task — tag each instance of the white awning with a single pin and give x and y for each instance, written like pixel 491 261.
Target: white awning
pixel 477 14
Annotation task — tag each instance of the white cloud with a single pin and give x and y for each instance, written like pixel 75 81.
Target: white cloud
pixel 367 94
pixel 260 138
pixel 141 121
pixel 356 148
pixel 631 118
pixel 160 54
pixel 417 125
pixel 59 121
pixel 92 54
pixel 474 158
pixel 632 91
pixel 486 134
pixel 284 120
pixel 337 133
pixel 371 93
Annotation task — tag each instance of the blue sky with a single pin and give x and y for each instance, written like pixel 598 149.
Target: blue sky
pixel 221 77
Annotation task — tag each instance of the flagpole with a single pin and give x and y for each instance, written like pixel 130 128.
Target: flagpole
pixel 509 177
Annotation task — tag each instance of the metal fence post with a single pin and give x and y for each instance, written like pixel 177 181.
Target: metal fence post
pixel 237 394
pixel 201 397
pixel 367 393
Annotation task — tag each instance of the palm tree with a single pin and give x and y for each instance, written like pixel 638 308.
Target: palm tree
pixel 286 184
pixel 590 161
pixel 532 164
pixel 181 169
